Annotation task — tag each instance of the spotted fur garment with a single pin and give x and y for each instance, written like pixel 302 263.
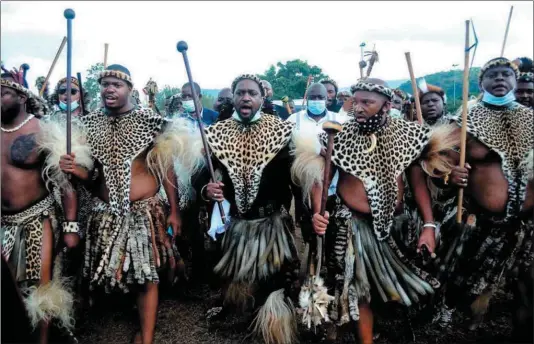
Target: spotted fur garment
pixel 245 150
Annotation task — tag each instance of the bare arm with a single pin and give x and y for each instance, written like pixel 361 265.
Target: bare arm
pixel 170 186
pixel 70 208
pixel 417 179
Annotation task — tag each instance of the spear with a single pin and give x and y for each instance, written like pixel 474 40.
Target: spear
pixel 63 42
pixel 82 101
pixel 106 46
pixel 414 89
pixel 506 32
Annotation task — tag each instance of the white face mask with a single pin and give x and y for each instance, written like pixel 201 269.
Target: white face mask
pixel 189 105
pixel 395 113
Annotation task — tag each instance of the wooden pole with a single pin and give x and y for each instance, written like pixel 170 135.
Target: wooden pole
pixel 63 42
pixel 506 32
pixel 414 89
pixel 463 135
pixel 106 46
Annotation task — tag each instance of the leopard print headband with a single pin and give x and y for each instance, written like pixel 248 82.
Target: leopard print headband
pixel 498 62
pixel 364 86
pixel 34 104
pixel 249 77
pixel 73 80
pixel 17 87
pixel 116 74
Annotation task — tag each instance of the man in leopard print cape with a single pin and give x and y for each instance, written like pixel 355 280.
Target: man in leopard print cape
pixel 499 193
pixel 129 231
pixel 31 223
pixel 371 154
pixel 259 261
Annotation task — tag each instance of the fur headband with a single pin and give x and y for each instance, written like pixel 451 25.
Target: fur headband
pixel 498 62
pixel 365 86
pixel 248 77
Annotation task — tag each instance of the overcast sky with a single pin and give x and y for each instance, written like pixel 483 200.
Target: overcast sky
pixel 230 38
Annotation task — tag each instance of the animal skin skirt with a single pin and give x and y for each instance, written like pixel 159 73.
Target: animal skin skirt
pixel 128 249
pixel 357 261
pixel 258 252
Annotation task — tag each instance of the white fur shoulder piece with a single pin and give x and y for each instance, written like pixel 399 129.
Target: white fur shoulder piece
pixel 52 142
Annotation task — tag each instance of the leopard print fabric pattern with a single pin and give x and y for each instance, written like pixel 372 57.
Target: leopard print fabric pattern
pixel 245 150
pixel 28 226
pixel 399 143
pixel 116 142
pixel 510 133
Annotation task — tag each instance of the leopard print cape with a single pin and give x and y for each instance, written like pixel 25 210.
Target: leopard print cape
pixel 115 142
pixel 21 238
pixel 245 150
pixel 510 133
pixel 399 143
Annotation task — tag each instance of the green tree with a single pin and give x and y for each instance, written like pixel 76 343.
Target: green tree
pixel 163 94
pixel 451 83
pixel 91 86
pixel 290 79
pixel 207 101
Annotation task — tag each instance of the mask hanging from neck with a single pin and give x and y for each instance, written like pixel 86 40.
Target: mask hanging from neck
pixel 498 101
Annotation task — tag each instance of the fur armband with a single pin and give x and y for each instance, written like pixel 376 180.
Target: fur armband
pixel 70 227
pixel 179 146
pixel 434 158
pixel 308 166
pixel 52 142
pixel 530 164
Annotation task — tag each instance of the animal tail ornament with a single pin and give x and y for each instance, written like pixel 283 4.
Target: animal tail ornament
pixel 52 300
pixel 313 302
pixel 176 147
pixel 434 159
pixel 308 166
pixel 275 320
pixel 51 142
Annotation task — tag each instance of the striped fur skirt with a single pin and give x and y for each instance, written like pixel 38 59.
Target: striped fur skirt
pixel 357 261
pixel 127 249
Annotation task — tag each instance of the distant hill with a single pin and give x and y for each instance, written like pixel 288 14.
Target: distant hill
pixel 450 82
pixel 445 80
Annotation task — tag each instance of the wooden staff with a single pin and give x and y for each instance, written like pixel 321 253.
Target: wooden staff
pixel 285 100
pixel 106 46
pixel 308 83
pixel 69 15
pixel 41 91
pixel 463 135
pixel 414 89
pixel 182 48
pixel 506 32
pixel 82 101
pixel 331 128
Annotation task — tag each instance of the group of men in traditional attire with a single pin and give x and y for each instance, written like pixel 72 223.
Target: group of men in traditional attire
pixel 136 196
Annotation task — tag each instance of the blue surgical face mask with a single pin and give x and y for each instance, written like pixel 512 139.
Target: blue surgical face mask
pixel 73 106
pixel 498 101
pixel 189 106
pixel 317 107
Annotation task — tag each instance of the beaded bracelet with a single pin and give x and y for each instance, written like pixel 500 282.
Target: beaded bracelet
pixel 70 227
